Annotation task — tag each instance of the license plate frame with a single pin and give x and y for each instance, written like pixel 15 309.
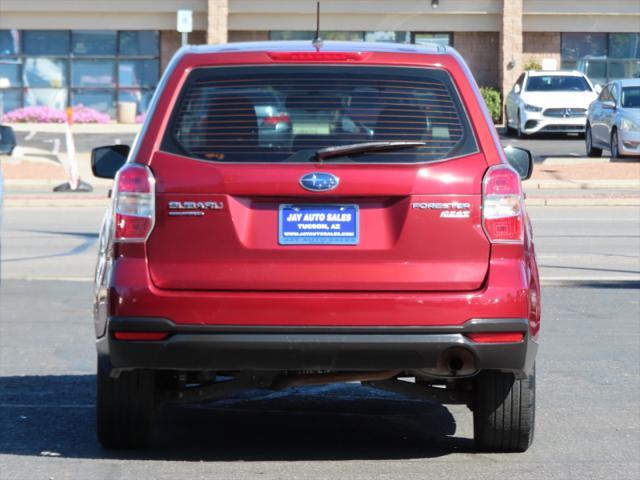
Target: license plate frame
pixel 347 232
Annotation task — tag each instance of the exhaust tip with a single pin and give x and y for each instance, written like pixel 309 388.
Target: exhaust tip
pixel 458 362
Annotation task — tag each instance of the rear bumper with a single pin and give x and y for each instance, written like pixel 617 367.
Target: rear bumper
pixel 198 347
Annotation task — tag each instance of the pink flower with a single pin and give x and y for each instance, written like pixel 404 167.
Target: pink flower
pixel 42 114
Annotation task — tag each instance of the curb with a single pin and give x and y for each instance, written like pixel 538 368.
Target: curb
pixel 43 201
pixel 581 184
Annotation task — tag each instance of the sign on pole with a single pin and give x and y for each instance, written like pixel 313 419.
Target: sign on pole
pixel 184 20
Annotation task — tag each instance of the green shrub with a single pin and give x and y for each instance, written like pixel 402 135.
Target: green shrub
pixel 494 103
pixel 532 64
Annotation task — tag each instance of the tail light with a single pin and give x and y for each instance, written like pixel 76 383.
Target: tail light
pixel 134 203
pixel 502 205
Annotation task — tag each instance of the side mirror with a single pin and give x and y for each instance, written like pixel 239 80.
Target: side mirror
pixel 516 89
pixel 521 160
pixel 106 161
pixel 7 140
pixel 598 88
pixel 608 105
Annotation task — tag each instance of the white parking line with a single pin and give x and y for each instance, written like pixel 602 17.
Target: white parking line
pixel 30 135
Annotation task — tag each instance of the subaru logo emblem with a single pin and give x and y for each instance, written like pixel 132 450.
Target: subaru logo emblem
pixel 567 112
pixel 319 181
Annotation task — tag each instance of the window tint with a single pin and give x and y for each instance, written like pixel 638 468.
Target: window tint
pixel 45 72
pixel 442 39
pixel 9 42
pixel 630 97
pixel 557 83
pixel 93 42
pixel 10 73
pixel 93 73
pixel 139 43
pixel 576 45
pixel 287 113
pixel 46 42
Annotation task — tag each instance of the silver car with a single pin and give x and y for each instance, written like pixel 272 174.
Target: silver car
pixel 613 120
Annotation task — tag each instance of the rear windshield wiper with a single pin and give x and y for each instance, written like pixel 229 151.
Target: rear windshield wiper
pixel 341 150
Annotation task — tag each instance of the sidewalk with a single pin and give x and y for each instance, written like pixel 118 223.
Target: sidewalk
pixel 584 182
pixel 30 176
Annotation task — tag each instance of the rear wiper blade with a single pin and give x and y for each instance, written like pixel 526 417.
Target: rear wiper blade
pixel 340 150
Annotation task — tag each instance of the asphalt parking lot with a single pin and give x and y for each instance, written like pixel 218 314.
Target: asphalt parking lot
pixel 588 417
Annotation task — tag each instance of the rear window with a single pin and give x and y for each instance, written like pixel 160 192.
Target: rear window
pixel 557 83
pixel 287 113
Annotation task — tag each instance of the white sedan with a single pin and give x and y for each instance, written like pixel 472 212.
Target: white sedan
pixel 543 101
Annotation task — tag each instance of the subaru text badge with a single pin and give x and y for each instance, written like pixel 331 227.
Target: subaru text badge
pixel 319 181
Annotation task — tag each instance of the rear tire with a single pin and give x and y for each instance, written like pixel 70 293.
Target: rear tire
pixel 503 411
pixel 588 141
pixel 125 408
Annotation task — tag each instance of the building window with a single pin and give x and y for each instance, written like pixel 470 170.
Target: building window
pixel 95 68
pixel 388 36
pixel 46 42
pixel 9 42
pixel 139 44
pixel 443 39
pixel 419 38
pixel 602 56
pixel 308 35
pixel 94 43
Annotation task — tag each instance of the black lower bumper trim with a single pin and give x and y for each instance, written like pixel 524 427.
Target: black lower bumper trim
pixel 312 348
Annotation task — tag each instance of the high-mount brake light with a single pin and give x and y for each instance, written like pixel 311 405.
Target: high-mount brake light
pixel 319 56
pixel 134 203
pixel 503 205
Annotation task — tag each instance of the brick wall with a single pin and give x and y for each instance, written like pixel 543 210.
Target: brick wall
pixel 510 43
pixel 217 21
pixel 539 45
pixel 170 42
pixel 480 51
pixel 245 36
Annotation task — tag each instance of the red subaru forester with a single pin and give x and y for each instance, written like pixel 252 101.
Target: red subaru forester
pixel 296 214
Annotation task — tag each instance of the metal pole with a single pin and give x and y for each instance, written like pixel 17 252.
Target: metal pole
pixel 185 38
